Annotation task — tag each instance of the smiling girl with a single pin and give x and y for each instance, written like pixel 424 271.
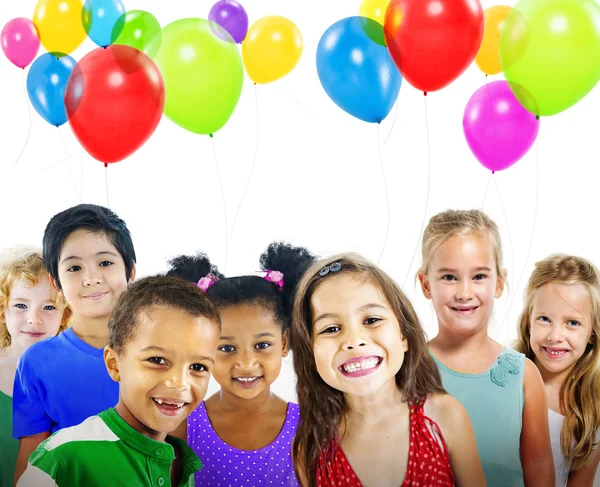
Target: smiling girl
pixel 559 330
pixel 373 409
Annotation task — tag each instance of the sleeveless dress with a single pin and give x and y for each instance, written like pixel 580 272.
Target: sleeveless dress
pixel 428 461
pixel 226 466
pixel 494 401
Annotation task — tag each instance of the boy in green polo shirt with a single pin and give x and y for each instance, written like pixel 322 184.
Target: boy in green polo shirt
pixel 162 343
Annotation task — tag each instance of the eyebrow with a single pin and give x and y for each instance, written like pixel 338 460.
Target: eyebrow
pixel 258 335
pixel 448 269
pixel 365 307
pixel 154 348
pixel 75 257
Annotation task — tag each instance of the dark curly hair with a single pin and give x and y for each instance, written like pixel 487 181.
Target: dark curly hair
pixel 156 291
pixel 291 261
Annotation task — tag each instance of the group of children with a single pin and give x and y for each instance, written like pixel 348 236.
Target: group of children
pixel 103 378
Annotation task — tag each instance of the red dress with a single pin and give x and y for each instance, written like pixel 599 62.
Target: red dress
pixel 428 461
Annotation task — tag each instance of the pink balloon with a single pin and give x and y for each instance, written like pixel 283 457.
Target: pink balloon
pixel 20 41
pixel 498 129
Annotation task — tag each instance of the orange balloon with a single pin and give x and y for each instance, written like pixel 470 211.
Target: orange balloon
pixel 488 57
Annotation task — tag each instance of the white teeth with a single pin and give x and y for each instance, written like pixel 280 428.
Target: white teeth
pixel 159 401
pixel 556 353
pixel 246 379
pixel 363 365
pixel 178 404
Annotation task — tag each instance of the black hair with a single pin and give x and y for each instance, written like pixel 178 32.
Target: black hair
pixel 156 291
pixel 291 261
pixel 93 218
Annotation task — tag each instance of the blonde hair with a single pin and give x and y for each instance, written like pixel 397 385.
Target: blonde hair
pixel 22 262
pixel 322 408
pixel 447 224
pixel 580 392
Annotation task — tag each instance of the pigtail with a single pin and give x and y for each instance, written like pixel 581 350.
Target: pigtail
pixel 192 268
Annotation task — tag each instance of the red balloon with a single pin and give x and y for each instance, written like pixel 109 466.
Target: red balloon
pixel 114 99
pixel 433 41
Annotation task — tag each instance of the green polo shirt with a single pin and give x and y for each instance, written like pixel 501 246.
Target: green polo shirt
pixel 105 451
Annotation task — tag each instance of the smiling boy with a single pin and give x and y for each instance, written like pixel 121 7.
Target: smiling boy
pixel 162 343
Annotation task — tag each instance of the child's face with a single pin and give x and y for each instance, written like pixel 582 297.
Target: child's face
pixel 32 314
pixel 357 341
pixel 163 371
pixel 462 282
pixel 560 325
pixel 91 273
pixel 249 351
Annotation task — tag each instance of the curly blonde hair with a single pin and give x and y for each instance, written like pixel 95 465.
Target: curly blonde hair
pixel 23 262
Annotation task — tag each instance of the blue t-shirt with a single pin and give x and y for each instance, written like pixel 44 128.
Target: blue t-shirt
pixel 60 382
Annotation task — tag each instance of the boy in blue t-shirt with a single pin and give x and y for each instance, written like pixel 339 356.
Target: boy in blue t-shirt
pixel 61 381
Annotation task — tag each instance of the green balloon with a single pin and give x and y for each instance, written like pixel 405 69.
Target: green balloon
pixel 138 29
pixel 550 53
pixel 203 74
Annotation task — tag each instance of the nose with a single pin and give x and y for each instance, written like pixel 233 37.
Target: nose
pixel 92 277
pixel 353 340
pixel 34 317
pixel 178 379
pixel 464 291
pixel 555 333
pixel 246 359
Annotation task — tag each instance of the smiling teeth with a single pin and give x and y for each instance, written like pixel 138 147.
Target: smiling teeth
pixel 178 404
pixel 246 379
pixel 556 353
pixel 364 365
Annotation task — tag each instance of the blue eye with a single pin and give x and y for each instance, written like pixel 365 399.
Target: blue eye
pixel 227 348
pixel 50 307
pixel 573 323
pixel 20 306
pixel 544 319
pixel 262 345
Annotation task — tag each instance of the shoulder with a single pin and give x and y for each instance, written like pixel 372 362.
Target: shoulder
pixel 532 378
pixel 41 350
pixel 446 411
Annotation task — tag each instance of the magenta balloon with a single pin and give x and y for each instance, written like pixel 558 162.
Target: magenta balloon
pixel 20 41
pixel 498 129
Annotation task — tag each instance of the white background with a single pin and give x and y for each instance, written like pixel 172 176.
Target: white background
pixel 317 180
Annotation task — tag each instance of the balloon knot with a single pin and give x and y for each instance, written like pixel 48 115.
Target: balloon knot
pixel 537 117
pixel 211 135
pixel 105 165
pixel 493 172
pixel 425 93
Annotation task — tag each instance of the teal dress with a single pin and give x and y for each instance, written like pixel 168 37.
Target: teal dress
pixel 494 401
pixel 9 447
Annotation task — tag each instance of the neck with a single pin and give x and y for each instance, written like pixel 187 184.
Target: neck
pixel 371 409
pixel 451 342
pixel 261 404
pixel 93 331
pixel 554 380
pixel 137 425
pixel 13 351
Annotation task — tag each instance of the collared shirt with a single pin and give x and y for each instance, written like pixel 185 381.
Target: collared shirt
pixel 105 451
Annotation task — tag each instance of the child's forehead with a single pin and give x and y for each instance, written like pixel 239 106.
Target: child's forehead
pixel 85 241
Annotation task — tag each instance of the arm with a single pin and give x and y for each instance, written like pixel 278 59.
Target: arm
pixel 584 477
pixel 536 451
pixel 457 430
pixel 27 446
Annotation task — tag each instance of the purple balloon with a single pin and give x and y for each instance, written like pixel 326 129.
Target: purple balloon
pixel 230 15
pixel 498 129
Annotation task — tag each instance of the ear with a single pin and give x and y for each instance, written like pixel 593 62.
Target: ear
pixel 285 347
pixel 111 360
pixel 500 282
pixel 425 285
pixel 132 275
pixel 405 344
pixel 54 284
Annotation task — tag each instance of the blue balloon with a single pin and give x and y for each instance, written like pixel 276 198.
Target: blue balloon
pixel 99 18
pixel 46 86
pixel 356 72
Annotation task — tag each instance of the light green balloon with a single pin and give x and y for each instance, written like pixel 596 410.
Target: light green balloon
pixel 203 73
pixel 550 53
pixel 138 29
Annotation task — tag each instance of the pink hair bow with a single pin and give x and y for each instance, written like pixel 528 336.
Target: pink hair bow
pixel 205 282
pixel 275 277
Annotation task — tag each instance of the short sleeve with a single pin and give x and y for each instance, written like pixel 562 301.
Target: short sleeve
pixel 29 414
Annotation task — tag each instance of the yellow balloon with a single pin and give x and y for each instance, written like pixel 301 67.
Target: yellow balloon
pixel 59 24
pixel 374 9
pixel 271 49
pixel 488 57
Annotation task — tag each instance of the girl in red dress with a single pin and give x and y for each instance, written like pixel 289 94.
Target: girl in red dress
pixel 372 406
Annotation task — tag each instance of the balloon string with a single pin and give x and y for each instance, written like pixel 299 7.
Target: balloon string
pixel 427 197
pixel 535 214
pixel 29 112
pixel 387 196
pixel 212 140
pixel 510 244
pixel 393 123
pixel 489 94
pixel 106 185
pixel 63 160
pixel 81 182
pixel 487 187
pixel 253 162
pixel 69 165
